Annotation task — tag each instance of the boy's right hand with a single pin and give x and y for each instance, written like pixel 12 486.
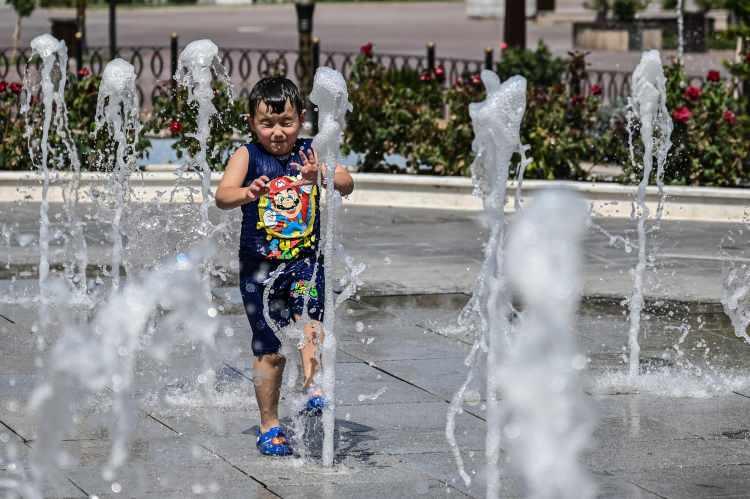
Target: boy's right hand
pixel 257 187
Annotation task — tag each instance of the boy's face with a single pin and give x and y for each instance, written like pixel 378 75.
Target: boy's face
pixel 276 132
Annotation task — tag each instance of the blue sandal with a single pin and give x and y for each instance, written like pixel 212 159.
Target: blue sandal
pixel 315 405
pixel 273 442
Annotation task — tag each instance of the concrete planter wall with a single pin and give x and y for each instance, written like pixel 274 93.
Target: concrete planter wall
pixel 642 34
pixel 426 192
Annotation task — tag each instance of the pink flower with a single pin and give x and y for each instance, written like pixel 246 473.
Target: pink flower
pixel 596 89
pixel 729 117
pixel 425 76
pixel 692 93
pixel 476 79
pixel 366 49
pixel 713 75
pixel 84 72
pixel 682 114
pixel 503 45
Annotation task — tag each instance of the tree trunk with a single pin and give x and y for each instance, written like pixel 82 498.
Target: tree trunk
pixel 515 23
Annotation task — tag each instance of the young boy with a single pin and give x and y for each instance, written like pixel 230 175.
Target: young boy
pixel 274 180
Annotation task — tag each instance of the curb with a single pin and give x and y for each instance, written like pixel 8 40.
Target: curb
pixel 709 204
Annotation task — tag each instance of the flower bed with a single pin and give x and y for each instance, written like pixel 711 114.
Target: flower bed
pixel 414 115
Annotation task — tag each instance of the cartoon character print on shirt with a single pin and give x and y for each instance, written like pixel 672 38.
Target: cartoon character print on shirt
pixel 287 213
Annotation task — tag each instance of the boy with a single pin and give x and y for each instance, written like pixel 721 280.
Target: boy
pixel 274 180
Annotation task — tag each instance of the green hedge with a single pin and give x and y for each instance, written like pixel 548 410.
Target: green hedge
pixel 417 116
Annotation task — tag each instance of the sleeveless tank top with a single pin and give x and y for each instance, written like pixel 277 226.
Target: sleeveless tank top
pixel 284 223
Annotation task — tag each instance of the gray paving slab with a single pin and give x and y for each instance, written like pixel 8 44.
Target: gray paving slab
pixel 417 251
pixel 398 367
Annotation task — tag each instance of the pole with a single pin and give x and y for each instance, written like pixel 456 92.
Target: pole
pixel 173 59
pixel 515 23
pixel 112 29
pixel 305 10
pixel 78 51
pixel 488 56
pixel 431 57
pixel 315 66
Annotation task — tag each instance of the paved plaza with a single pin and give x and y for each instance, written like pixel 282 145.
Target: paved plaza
pixel 676 435
pixel 394 28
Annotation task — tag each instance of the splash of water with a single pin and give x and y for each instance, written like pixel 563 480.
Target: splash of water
pixel 497 125
pixel 330 94
pixel 54 73
pixel 199 62
pixel 117 109
pixel 165 308
pixel 647 104
pixel 546 421
pixel 735 299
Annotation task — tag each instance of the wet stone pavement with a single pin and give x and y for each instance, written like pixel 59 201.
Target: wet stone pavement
pixel 681 432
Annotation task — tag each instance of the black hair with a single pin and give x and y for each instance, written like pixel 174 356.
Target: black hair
pixel 275 92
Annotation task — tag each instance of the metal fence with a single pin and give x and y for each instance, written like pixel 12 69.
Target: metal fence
pixel 154 66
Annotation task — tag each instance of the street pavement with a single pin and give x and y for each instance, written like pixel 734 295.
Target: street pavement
pixel 397 28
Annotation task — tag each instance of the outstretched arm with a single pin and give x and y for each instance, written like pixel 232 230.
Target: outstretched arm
pixel 230 193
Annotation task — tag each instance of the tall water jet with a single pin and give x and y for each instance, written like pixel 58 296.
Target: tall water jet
pixel 546 420
pixel 54 74
pixel 497 130
pixel 117 110
pixel 145 316
pixel 647 105
pixel 199 63
pixel 330 94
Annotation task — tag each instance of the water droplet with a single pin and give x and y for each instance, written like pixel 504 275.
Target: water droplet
pixel 359 326
pixel 116 488
pixel 212 312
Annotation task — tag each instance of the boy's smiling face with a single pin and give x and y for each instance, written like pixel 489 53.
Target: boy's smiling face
pixel 276 132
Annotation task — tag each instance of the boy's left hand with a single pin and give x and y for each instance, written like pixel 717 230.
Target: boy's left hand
pixel 310 167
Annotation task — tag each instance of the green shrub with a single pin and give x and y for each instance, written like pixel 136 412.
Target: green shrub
pixel 174 116
pixel 81 94
pixel 395 112
pixel 539 67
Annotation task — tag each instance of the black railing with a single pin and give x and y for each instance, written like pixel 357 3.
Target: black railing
pixel 154 67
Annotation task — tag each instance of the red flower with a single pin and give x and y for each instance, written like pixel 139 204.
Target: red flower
pixel 682 114
pixel 83 72
pixel 175 127
pixel 729 117
pixel 3 86
pixel 747 58
pixel 576 99
pixel 692 93
pixel 366 49
pixel 440 73
pixel 476 79
pixel 503 45
pixel 425 76
pixel 596 89
pixel 16 87
pixel 713 75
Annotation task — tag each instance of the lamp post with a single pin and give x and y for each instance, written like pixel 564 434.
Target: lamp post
pixel 113 29
pixel 305 10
